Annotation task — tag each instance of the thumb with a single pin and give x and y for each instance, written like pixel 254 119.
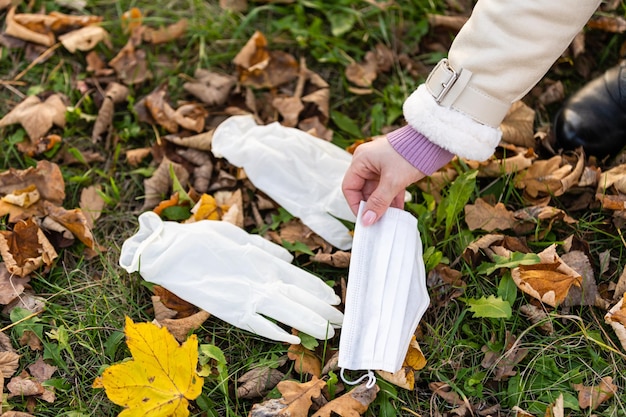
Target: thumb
pixel 377 204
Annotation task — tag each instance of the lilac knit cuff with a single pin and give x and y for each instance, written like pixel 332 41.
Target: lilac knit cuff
pixel 418 150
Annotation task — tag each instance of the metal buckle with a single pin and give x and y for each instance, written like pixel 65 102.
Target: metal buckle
pixel 444 65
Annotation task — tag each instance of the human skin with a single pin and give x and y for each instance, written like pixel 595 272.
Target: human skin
pixel 378 175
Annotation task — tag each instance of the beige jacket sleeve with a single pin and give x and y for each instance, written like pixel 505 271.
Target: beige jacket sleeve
pixel 503 50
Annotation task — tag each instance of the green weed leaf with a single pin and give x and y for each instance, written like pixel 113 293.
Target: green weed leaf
pixel 490 307
pixel 516 259
pixel 346 124
pixel 458 195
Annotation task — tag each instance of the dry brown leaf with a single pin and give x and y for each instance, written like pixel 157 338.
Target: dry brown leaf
pixel 305 361
pixel 554 93
pixel 454 23
pixel 24 386
pixel 483 215
pixel 363 74
pixel 9 362
pixel 338 259
pixel 313 126
pixel 158 186
pixel 84 39
pixel 321 99
pixel 445 391
pixel 160 110
pixel 180 328
pixel 16 414
pixel 517 126
pixel 612 24
pixel 236 6
pixel 548 281
pixel 351 404
pixel 612 202
pixel 507 159
pixel 592 396
pixel 91 204
pixel 26 248
pixel 445 284
pixel 41 371
pixel 616 318
pixel 20 31
pixel 298 396
pixel 413 361
pixel 587 294
pixel 616 177
pixel 73 220
pixel 161 312
pixel 115 93
pixel 130 65
pixel 504 363
pixel 210 87
pixel 260 68
pixel 10 286
pixel 135 156
pixel 172 301
pixel 165 34
pixel 37 117
pixel 289 108
pixel 258 381
pixel 539 317
pixel 191 116
pixel 544 177
pixel 233 200
pixel 201 141
pixel 23 198
pixel 295 231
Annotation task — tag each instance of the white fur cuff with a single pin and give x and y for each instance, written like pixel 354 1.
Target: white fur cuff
pixel 448 128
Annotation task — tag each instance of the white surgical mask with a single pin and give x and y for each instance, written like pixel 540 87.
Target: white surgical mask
pixel 386 295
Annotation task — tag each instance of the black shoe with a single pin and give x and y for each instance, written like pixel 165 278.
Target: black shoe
pixel 595 117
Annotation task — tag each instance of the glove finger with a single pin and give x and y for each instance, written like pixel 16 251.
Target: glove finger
pixel 310 283
pixel 294 314
pixel 263 327
pixel 323 309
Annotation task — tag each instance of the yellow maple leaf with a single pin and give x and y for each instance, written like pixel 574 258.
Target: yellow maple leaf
pixel 161 377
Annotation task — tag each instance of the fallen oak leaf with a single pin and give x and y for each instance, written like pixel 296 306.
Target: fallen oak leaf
pixel 305 361
pixel 548 281
pixel 160 379
pixel 351 404
pixel 616 318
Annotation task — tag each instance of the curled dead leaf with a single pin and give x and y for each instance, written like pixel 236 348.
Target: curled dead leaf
pixel 26 248
pixel 165 34
pixel 517 126
pixel 158 186
pixel 180 328
pixel 258 381
pixel 84 39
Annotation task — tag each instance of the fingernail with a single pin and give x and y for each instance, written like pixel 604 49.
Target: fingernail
pixel 368 218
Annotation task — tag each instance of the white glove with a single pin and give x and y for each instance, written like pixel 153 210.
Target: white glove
pixel 300 172
pixel 236 276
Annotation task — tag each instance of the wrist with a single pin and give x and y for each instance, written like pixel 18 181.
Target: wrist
pixel 418 150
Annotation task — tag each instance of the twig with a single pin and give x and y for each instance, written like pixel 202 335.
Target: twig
pixel 37 60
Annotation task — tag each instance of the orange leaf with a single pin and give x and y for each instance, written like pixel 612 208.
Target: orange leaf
pixel 305 361
pixel 26 248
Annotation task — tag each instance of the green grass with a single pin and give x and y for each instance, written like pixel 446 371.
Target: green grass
pixel 87 299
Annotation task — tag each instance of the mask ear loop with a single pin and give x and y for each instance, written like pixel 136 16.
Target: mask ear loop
pixel 369 375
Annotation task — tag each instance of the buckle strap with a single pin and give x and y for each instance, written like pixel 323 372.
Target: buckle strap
pixel 451 88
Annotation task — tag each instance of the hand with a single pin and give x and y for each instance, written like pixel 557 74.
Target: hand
pixel 378 175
